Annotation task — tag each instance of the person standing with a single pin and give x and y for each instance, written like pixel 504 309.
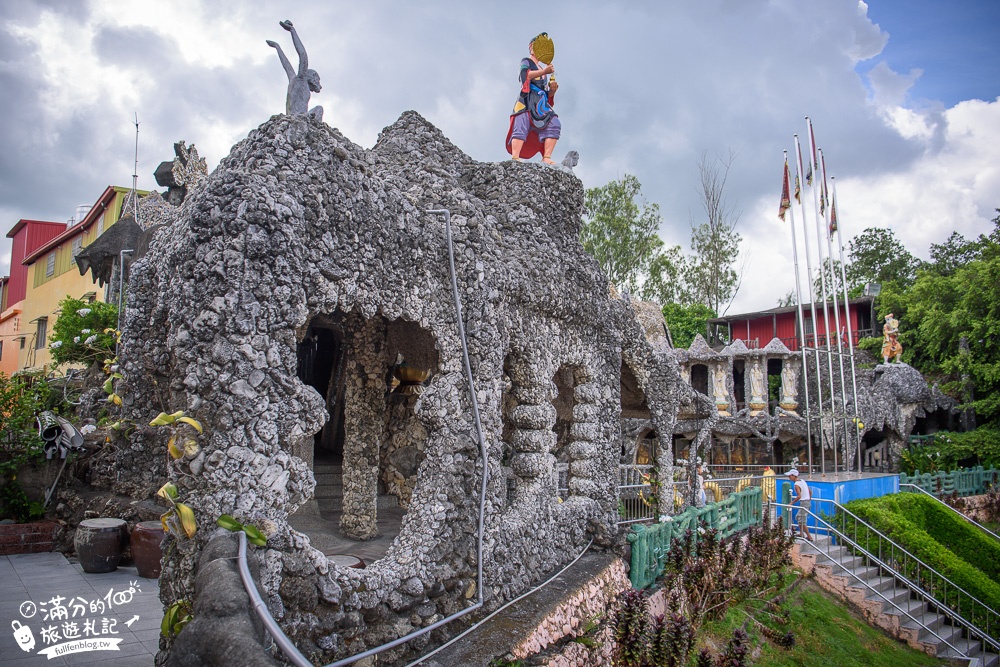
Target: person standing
pixel 802 497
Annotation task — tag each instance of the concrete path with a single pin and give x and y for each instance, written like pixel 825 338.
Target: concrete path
pixel 74 615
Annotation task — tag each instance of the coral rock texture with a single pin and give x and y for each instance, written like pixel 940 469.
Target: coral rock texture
pixel 300 227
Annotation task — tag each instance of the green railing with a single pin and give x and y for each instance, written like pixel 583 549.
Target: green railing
pixel 651 543
pixel 964 481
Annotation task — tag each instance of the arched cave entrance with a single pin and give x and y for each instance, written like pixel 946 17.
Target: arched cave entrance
pixel 321 366
pixel 366 457
pixel 699 378
pixel 739 384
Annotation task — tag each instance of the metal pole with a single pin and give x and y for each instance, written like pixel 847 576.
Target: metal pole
pixel 836 318
pixel 826 311
pixel 802 322
pixel 850 333
pixel 812 306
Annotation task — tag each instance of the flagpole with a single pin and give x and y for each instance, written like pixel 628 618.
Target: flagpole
pixel 850 334
pixel 812 306
pixel 798 303
pixel 836 315
pixel 826 309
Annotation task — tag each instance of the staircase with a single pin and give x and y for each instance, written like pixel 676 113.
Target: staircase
pixel 883 599
pixel 329 492
pixel 329 485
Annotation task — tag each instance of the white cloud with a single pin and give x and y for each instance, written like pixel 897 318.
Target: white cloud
pixel 646 89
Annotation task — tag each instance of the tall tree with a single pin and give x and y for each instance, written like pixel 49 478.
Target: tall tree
pixel 685 322
pixel 710 273
pixel 877 256
pixel 620 231
pixel 954 253
pixel 943 308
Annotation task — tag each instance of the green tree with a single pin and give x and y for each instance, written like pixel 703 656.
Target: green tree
pixel 954 253
pixel 21 398
pixel 81 334
pixel 710 275
pixel 685 322
pixel 877 256
pixel 620 231
pixel 938 311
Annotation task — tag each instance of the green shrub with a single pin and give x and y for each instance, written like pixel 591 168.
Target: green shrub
pixel 945 543
pixel 21 398
pixel 14 504
pixel 872 345
pixel 950 451
pixel 81 335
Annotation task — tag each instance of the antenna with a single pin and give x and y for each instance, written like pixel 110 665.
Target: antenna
pixel 135 173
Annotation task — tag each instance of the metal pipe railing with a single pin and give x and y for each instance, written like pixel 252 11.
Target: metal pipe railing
pixel 832 531
pixel 961 514
pixel 889 554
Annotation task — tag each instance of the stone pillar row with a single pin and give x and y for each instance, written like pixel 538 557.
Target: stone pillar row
pixel 584 438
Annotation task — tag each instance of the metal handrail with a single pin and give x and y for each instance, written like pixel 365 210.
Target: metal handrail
pixel 896 550
pixel 961 514
pixel 831 530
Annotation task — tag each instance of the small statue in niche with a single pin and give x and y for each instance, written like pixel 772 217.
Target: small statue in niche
pixel 721 390
pixel 789 388
pixel 299 85
pixel 891 347
pixel 758 395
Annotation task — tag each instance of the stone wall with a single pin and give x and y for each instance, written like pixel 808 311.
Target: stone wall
pixel 298 225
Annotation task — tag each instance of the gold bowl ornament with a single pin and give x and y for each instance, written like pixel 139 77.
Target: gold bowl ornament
pixel 544 49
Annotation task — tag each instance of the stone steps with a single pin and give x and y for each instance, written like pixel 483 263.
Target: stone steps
pixel 330 487
pixel 885 608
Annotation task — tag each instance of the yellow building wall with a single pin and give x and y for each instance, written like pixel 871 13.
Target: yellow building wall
pixel 10 321
pixel 45 292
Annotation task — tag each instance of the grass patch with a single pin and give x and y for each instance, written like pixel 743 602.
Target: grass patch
pixel 827 633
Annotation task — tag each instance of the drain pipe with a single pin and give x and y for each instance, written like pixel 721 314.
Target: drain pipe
pixel 483 453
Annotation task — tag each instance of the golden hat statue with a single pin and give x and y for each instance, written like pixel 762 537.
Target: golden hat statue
pixel 545 50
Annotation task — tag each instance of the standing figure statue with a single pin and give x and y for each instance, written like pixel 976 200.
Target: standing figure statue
pixel 890 340
pixel 534 125
pixel 299 85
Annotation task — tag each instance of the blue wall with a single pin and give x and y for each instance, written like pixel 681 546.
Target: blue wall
pixel 841 491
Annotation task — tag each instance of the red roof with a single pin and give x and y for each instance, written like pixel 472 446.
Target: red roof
pixel 95 212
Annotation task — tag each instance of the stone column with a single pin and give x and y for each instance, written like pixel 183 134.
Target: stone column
pixel 532 437
pixel 364 423
pixel 585 435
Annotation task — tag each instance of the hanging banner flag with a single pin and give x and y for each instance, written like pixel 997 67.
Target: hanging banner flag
pixel 833 216
pixel 798 187
pixel 785 201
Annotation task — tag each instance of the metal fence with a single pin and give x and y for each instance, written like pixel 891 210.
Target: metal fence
pixel 964 482
pixel 651 543
pixel 636 497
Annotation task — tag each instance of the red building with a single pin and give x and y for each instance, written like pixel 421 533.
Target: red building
pixel 757 329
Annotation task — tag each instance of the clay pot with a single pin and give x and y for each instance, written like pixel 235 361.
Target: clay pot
pixel 100 543
pixel 146 552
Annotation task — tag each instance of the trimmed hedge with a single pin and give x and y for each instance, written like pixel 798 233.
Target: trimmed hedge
pixel 939 538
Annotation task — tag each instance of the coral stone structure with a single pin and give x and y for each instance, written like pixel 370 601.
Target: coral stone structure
pixel 278 310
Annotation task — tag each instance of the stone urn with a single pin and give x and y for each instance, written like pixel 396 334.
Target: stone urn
pixel 100 544
pixel 147 536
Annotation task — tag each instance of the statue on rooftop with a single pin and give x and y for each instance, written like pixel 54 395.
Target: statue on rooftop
pixel 891 348
pixel 299 85
pixel 534 125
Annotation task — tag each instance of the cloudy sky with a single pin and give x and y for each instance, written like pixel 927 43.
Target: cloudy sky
pixel 904 94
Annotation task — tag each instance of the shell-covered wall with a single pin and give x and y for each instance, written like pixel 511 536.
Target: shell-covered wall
pixel 299 223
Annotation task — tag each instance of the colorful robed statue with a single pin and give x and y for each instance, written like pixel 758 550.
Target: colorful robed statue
pixel 891 347
pixel 534 125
